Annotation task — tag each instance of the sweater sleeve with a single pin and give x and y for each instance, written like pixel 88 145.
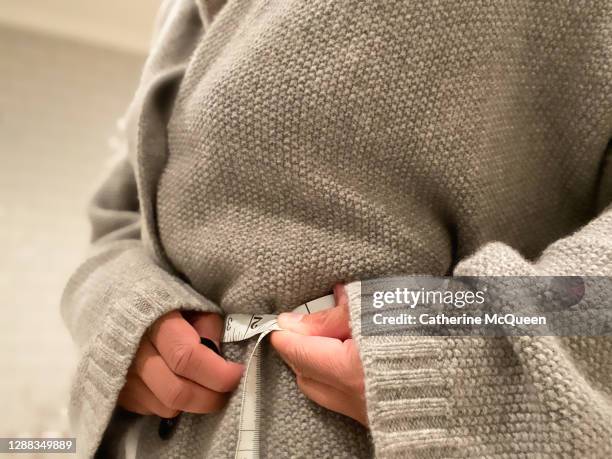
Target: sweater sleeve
pixel 504 396
pixel 125 284
pixel 109 302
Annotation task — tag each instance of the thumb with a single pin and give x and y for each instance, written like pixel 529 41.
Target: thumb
pixel 333 323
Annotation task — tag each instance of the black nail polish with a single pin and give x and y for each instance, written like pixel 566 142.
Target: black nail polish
pixel 167 426
pixel 210 344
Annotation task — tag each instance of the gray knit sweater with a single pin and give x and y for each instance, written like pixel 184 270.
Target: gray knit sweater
pixel 277 147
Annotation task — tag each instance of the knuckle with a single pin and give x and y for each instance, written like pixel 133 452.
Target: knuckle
pixel 355 384
pixel 175 395
pixel 300 357
pixel 313 319
pixel 180 358
pixel 297 370
pixel 316 321
pixel 337 375
pixel 328 319
pixel 302 385
pixel 336 368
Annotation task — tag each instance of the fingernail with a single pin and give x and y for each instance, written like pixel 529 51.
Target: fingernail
pixel 289 320
pixel 210 344
pixel 167 426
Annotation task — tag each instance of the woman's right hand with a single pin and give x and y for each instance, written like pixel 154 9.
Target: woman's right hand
pixel 174 372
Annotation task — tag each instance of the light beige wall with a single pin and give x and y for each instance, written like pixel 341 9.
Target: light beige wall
pixel 59 102
pixel 121 24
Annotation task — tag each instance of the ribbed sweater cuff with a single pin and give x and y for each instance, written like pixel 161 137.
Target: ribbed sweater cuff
pixel 142 293
pixel 490 396
pixel 406 390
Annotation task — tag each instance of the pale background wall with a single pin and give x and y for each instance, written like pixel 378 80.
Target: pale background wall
pixel 120 24
pixel 67 71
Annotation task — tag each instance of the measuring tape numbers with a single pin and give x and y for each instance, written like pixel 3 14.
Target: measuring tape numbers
pixel 240 327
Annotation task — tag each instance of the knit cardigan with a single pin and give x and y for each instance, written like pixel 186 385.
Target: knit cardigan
pixel 275 148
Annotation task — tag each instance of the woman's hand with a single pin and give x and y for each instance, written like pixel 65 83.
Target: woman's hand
pixel 319 349
pixel 173 371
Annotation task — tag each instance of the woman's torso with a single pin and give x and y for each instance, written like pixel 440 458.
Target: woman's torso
pixel 317 142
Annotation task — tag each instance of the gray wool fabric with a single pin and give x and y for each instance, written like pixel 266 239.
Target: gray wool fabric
pixel 275 148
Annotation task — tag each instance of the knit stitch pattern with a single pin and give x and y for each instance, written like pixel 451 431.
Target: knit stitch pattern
pixel 275 148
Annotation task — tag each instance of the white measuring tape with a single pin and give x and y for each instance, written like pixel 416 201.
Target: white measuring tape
pixel 239 327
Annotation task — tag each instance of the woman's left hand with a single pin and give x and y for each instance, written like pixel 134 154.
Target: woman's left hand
pixel 319 349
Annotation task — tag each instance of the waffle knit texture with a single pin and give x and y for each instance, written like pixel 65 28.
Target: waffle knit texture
pixel 275 148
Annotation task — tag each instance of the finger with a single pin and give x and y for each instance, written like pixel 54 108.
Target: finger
pixel 324 359
pixel 340 295
pixel 138 398
pixel 132 404
pixel 333 323
pixel 179 345
pixel 333 399
pixel 208 325
pixel 172 390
